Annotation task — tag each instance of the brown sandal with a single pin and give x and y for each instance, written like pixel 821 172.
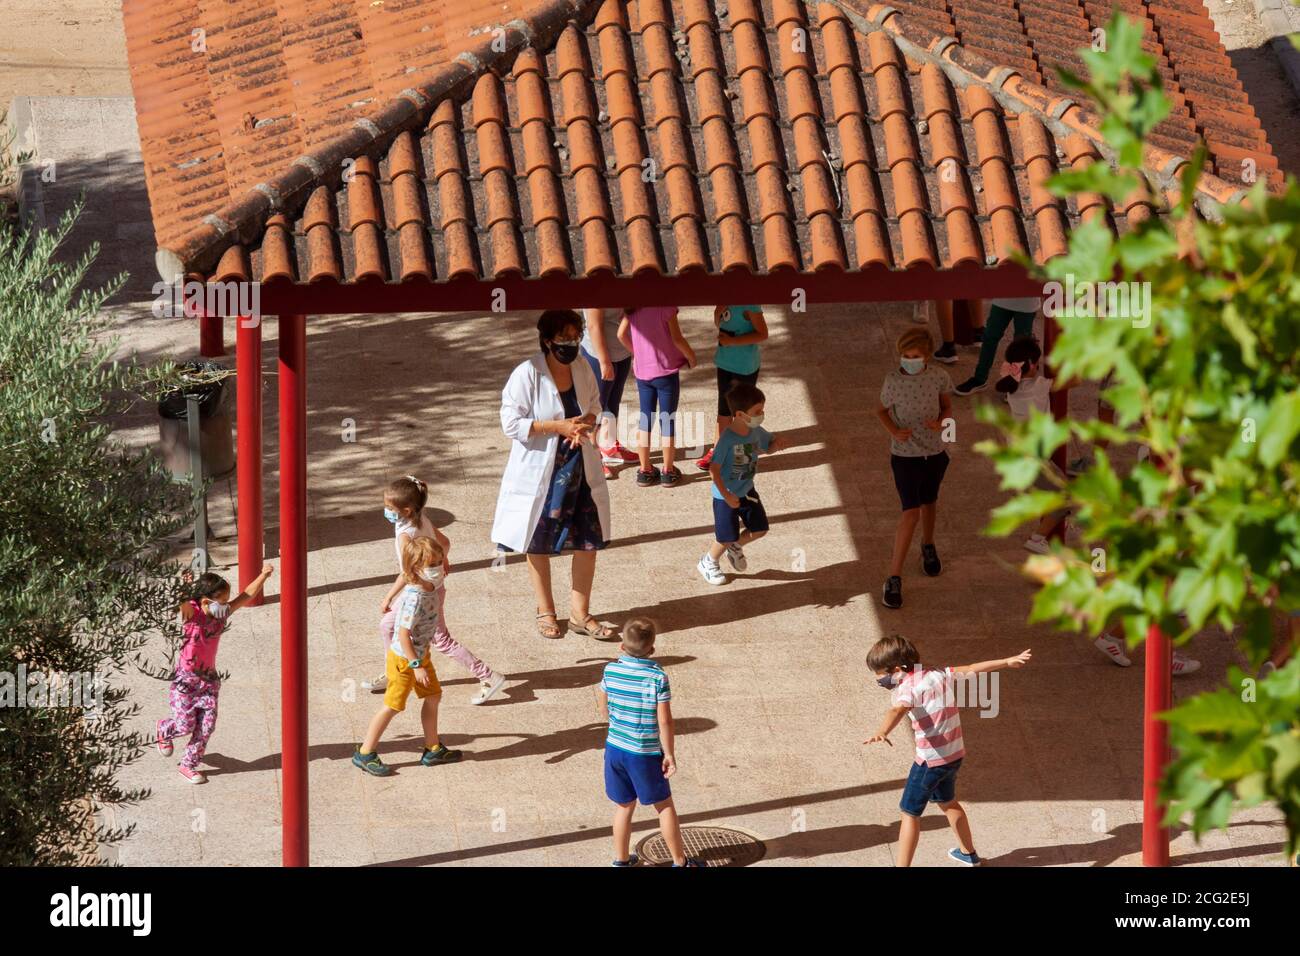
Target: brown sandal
pixel 548 631
pixel 592 628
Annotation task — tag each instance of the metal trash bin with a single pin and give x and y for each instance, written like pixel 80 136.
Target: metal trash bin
pixel 216 442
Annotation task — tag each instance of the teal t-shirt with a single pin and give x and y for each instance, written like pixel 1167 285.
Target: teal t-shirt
pixel 737 359
pixel 737 457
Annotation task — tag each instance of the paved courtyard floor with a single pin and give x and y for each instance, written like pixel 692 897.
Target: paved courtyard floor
pixel 771 694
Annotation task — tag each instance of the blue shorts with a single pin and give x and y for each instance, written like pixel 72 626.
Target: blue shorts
pixel 726 519
pixel 926 784
pixel 660 393
pixel 630 776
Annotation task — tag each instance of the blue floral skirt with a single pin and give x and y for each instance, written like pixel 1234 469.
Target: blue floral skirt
pixel 569 519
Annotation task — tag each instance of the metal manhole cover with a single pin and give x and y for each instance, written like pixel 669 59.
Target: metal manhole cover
pixel 712 846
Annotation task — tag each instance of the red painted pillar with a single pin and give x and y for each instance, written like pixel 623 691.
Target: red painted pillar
pixel 248 411
pixel 1155 750
pixel 211 336
pixel 293 586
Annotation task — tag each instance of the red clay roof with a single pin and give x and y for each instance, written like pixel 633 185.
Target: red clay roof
pixel 600 137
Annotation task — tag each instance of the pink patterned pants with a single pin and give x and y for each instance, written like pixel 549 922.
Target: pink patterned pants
pixel 193 700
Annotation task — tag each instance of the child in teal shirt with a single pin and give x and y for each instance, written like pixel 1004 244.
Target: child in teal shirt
pixel 740 330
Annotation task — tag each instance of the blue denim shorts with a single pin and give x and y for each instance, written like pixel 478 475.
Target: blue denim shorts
pixel 926 784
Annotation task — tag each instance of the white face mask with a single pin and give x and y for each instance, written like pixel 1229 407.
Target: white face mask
pixel 432 575
pixel 754 420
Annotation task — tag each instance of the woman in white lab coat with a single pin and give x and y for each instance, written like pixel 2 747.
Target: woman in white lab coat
pixel 553 495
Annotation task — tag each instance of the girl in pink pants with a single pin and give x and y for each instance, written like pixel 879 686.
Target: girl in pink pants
pixel 404 503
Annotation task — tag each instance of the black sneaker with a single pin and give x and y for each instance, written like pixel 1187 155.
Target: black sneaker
pixel 930 563
pixel 670 477
pixel 946 353
pixel 970 386
pixel 431 758
pixel 644 479
pixel 893 596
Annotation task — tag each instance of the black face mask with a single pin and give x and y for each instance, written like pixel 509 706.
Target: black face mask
pixel 564 354
pixel 887 682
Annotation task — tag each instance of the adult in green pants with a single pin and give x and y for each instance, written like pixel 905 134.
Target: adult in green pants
pixel 1018 313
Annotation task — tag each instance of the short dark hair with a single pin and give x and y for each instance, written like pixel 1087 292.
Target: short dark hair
pixel 892 651
pixel 554 321
pixel 639 636
pixel 743 396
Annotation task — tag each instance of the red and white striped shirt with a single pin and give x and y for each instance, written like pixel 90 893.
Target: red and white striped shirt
pixel 932 697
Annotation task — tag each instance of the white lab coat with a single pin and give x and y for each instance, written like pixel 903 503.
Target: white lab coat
pixel 531 395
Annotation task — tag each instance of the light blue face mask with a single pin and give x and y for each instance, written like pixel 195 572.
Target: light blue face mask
pixel 391 515
pixel 912 366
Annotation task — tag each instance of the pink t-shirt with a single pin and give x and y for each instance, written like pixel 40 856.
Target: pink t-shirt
pixel 202 634
pixel 654 353
pixel 932 697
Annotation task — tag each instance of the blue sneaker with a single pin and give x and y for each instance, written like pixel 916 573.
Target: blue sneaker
pixel 370 763
pixel 632 860
pixel 965 859
pixel 690 861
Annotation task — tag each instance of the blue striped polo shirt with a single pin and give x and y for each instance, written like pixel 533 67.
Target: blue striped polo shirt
pixel 635 686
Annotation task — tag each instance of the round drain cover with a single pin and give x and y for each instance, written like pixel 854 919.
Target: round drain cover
pixel 712 846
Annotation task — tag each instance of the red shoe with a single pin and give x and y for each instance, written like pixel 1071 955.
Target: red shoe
pixel 704 463
pixel 609 472
pixel 616 454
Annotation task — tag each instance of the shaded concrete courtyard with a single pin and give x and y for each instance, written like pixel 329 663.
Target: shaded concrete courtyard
pixel 771 695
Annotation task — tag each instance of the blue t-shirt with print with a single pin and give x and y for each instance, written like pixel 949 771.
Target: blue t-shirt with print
pixel 737 457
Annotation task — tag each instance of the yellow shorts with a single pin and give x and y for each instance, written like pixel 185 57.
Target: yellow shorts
pixel 401 681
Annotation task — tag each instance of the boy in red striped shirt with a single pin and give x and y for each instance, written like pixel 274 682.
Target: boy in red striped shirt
pixel 930 697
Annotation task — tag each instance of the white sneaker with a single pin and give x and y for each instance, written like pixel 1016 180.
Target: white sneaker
pixel 1185 665
pixel 377 686
pixel 710 571
pixel 1113 649
pixel 1038 544
pixel 487 690
pixel 736 556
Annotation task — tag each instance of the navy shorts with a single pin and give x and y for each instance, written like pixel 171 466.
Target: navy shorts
pixel 726 380
pixel 926 784
pixel 630 776
pixel 918 479
pixel 726 519
pixel 660 393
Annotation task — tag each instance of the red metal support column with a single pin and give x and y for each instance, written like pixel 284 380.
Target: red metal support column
pixel 248 412
pixel 293 586
pixel 1155 750
pixel 212 342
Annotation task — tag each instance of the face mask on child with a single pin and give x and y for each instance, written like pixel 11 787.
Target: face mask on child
pixel 755 420
pixel 432 575
pixel 912 366
pixel 887 682
pixel 391 515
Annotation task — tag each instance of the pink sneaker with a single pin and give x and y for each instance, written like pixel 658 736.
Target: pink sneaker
pixel 164 746
pixel 193 776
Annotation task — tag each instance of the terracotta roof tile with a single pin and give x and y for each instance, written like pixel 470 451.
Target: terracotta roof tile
pixel 659 136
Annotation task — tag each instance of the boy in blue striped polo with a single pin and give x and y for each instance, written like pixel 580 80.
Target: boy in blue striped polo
pixel 634 695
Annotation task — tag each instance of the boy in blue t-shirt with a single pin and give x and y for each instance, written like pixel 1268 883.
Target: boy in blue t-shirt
pixel 734 464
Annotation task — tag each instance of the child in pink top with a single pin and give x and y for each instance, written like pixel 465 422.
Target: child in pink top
pixel 195 685
pixel 659 350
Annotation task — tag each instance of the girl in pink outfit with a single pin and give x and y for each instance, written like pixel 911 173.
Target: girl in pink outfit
pixel 404 503
pixel 659 350
pixel 195 685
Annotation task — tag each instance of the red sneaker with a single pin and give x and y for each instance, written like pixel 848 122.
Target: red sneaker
pixel 609 472
pixel 616 454
pixel 703 463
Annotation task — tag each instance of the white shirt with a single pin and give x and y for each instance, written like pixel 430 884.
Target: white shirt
pixel 531 395
pixel 1032 393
